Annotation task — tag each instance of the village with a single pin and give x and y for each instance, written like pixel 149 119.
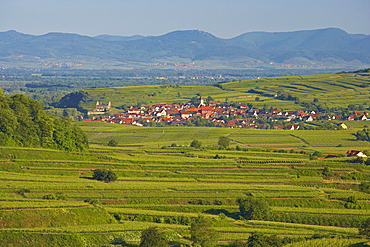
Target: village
pixel 218 114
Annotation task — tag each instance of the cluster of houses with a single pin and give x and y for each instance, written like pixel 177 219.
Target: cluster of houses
pixel 218 113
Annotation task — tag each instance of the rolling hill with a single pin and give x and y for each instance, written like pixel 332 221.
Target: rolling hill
pixel 331 90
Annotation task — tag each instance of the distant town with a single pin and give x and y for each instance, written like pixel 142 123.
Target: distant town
pixel 213 113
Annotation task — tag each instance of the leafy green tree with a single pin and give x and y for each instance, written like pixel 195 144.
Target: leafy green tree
pixel 352 199
pixel 196 144
pixel 261 240
pixel 224 141
pixel 365 228
pixel 104 175
pixel 152 237
pixel 254 209
pixel 367 162
pixel 113 143
pixel 68 137
pixel 209 98
pixel 363 135
pixel 359 160
pixel 202 233
pixel 365 187
pixel 326 171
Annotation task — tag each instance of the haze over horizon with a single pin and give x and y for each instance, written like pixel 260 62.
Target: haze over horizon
pixel 224 19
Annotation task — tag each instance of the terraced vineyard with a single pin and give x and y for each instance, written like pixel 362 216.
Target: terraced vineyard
pixel 333 90
pixel 48 196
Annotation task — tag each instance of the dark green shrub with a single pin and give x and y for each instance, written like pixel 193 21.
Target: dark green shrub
pixel 152 237
pixel 113 143
pixel 196 144
pixel 56 196
pixel 202 233
pixel 104 175
pixel 224 141
pixel 23 191
pixel 254 209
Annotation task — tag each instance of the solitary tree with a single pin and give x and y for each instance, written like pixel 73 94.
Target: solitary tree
pixel 224 141
pixel 104 175
pixel 152 237
pixel 254 209
pixel 113 143
pixel 326 171
pixel 363 135
pixel 202 233
pixel 196 144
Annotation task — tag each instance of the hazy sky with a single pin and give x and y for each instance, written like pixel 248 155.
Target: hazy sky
pixel 223 18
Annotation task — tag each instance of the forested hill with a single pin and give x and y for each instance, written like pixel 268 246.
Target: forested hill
pixel 324 46
pixel 23 122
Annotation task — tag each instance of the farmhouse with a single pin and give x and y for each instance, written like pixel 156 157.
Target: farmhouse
pixel 353 153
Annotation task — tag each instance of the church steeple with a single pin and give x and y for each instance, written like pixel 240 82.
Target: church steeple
pixel 201 102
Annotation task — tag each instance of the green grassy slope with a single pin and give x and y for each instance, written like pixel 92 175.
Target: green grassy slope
pixel 169 186
pixel 336 90
pixel 333 90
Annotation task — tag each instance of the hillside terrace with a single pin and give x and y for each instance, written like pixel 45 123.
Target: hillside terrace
pixel 221 114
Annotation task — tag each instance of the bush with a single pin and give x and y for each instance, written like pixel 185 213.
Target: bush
pixel 56 196
pixel 23 191
pixel 49 197
pixel 92 201
pixel 104 175
pixel 367 162
pixel 260 240
pixel 113 143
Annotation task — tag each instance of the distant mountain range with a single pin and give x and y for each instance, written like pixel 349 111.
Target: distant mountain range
pixel 312 47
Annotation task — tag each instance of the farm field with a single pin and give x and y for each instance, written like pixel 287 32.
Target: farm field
pixel 48 196
pixel 332 90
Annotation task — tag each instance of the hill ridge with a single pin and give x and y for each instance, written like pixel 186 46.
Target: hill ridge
pixel 316 46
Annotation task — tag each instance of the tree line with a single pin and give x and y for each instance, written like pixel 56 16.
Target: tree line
pixel 24 123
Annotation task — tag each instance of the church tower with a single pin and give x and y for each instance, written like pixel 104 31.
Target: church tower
pixel 201 102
